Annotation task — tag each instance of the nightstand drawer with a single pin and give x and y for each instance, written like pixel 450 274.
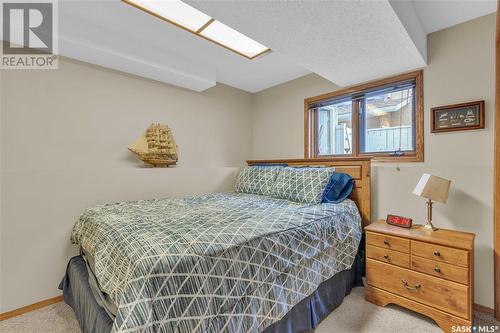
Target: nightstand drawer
pixel 441 294
pixel 388 256
pixel 388 242
pixel 440 253
pixel 440 269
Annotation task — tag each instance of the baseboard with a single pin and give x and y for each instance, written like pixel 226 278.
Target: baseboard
pixel 31 307
pixel 57 299
pixel 482 308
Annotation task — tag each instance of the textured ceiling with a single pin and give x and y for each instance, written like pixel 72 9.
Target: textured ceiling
pixel 346 42
pixel 113 34
pixel 439 14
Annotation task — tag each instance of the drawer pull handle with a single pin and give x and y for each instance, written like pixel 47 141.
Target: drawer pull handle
pixel 407 287
pixel 437 269
pixel 386 242
pixel 437 254
pixel 386 257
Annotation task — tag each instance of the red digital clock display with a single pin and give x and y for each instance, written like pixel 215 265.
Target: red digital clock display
pixel 399 221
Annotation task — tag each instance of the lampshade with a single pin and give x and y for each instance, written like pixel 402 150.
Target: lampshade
pixel 433 187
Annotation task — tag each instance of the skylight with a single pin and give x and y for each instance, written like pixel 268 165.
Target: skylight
pixel 198 23
pixel 174 11
pixel 222 34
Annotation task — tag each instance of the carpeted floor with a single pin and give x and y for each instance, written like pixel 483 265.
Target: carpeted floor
pixel 353 316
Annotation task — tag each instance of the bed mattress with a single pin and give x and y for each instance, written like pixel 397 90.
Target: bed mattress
pixel 223 262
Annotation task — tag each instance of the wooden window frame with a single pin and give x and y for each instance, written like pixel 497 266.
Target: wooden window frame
pixel 496 174
pixel 310 120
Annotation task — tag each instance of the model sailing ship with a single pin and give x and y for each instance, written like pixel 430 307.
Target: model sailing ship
pixel 156 146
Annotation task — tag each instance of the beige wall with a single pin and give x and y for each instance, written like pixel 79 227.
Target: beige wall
pixel 64 135
pixel 461 68
pixel 64 140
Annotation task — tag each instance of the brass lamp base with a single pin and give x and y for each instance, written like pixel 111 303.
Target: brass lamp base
pixel 429 227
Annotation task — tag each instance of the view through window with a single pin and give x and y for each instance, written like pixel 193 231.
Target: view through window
pixel 387 121
pixel 335 128
pixel 380 120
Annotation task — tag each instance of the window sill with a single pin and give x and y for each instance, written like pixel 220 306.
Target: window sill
pixel 392 159
pixel 377 157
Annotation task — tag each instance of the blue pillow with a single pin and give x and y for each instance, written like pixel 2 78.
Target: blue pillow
pixel 339 188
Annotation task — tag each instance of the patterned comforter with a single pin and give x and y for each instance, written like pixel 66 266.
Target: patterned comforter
pixel 224 262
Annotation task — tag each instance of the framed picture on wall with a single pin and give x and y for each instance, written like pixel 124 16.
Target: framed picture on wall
pixel 457 117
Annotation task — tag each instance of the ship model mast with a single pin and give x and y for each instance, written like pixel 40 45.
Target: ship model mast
pixel 156 146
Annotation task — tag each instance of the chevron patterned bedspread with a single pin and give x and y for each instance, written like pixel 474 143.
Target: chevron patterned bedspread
pixel 224 262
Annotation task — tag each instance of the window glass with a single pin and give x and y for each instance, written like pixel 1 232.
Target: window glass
pixel 334 128
pixel 387 121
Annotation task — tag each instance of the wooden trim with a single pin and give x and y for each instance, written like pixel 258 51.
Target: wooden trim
pixel 307 125
pixel 197 32
pixel 472 275
pixel 496 175
pixel 482 308
pixel 419 118
pixel 384 157
pixel 364 86
pixel 203 27
pixel 314 123
pixel 358 167
pixel 311 161
pixel 415 156
pixel 453 106
pixel 31 307
pixel 355 129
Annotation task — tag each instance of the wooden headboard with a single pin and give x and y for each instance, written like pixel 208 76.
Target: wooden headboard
pixel 357 167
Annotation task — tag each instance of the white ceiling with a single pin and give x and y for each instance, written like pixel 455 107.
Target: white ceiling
pixel 436 15
pixel 346 42
pixel 113 34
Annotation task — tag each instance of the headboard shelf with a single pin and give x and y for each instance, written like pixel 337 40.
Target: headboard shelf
pixel 358 167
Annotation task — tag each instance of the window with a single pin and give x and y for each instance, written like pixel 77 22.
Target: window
pixel 383 119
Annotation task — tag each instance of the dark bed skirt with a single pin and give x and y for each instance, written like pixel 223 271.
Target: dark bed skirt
pixel 303 317
pixel 77 294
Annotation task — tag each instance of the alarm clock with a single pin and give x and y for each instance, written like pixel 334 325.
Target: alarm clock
pixel 399 221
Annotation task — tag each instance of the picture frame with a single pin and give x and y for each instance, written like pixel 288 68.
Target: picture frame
pixel 457 117
pixel 399 221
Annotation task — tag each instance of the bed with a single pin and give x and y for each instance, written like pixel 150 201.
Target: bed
pixel 223 262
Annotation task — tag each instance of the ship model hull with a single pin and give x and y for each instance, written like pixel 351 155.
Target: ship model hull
pixel 156 147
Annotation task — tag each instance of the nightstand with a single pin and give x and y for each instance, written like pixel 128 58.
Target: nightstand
pixel 428 272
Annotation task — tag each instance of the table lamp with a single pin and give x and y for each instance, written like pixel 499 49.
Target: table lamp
pixel 434 189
